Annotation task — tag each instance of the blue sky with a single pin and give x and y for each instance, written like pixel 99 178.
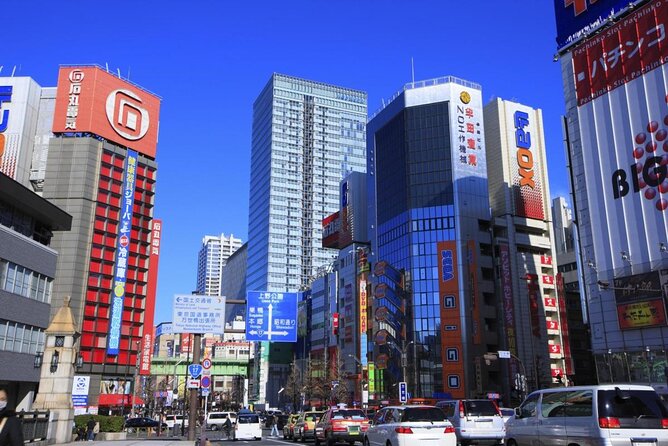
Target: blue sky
pixel 208 60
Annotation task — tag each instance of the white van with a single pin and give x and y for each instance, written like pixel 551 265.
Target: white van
pixel 614 414
pixel 248 427
pixel 216 420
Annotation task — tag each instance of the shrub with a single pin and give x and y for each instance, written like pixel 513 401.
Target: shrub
pixel 107 423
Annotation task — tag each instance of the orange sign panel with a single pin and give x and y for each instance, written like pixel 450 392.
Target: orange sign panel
pixel 451 335
pixel 90 100
pixel 649 313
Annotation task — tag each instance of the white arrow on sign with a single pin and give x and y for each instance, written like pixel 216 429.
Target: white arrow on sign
pixel 281 333
pixel 269 333
pixel 253 332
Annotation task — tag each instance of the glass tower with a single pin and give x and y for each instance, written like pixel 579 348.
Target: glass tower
pixel 307 136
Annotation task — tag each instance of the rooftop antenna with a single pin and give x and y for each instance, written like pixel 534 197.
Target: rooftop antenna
pixel 383 101
pixel 118 70
pixel 13 70
pixel 106 64
pixel 1 67
pixel 412 71
pixel 129 72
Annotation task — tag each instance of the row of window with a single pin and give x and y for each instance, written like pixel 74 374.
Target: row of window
pixel 20 338
pixel 19 280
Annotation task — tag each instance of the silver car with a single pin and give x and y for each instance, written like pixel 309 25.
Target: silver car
pixel 476 421
pixel 610 415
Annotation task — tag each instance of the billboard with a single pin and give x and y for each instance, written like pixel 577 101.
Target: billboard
pixel 623 133
pixel 149 306
pixel 640 300
pixel 578 18
pixel 331 226
pixel 527 158
pixel 451 339
pixel 467 133
pixel 122 253
pixel 91 100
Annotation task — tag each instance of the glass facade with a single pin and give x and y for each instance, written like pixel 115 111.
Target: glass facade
pixel 307 136
pixel 416 210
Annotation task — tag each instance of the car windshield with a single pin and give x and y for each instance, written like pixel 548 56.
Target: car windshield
pixel 248 419
pixel 423 414
pixel 348 414
pixel 312 417
pixel 480 408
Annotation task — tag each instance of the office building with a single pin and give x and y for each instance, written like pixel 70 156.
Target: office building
pixel 615 130
pixel 233 283
pixel 27 272
pixel 430 244
pixel 534 313
pixel 211 260
pixel 101 169
pixel 307 136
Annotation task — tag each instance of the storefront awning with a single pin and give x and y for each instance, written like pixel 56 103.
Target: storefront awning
pixel 115 399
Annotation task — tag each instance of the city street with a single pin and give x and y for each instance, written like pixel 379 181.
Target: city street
pixel 175 441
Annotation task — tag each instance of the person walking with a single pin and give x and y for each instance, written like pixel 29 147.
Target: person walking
pixel 11 431
pixel 90 429
pixel 227 427
pixel 274 426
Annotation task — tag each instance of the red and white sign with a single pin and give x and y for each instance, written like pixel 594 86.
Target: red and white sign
pixel 552 325
pixel 149 306
pixel 554 349
pixel 550 302
pixel 548 280
pixel 206 363
pixel 90 100
pixel 545 260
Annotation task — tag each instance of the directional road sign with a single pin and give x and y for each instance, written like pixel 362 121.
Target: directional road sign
pixel 271 316
pixel 195 370
pixel 206 391
pixel 198 314
pixel 403 392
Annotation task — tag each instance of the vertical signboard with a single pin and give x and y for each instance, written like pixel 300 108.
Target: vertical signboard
pixel 473 290
pixel 526 157
pixel 363 267
pixel 467 139
pixel 149 307
pixel 451 344
pixel 533 292
pixel 563 319
pixel 122 253
pixel 620 88
pixel 508 307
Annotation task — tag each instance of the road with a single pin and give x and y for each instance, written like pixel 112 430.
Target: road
pixel 179 442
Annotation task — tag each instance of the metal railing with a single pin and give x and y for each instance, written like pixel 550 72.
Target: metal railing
pixel 35 425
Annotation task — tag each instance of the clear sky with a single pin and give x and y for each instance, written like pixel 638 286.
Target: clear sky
pixel 209 60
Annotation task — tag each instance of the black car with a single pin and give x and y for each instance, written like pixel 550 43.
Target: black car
pixel 143 422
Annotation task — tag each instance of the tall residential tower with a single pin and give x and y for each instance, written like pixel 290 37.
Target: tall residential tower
pixel 211 259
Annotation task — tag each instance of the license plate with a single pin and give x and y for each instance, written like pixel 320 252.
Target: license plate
pixel 353 430
pixel 648 442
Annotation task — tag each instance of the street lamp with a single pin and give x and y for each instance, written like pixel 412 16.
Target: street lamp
pixel 522 381
pixel 404 360
pixel 361 373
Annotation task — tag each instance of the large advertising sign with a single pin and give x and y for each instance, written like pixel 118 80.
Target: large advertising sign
pixel 526 157
pixel 451 344
pixel 467 135
pixel 122 253
pixel 624 134
pixel 578 18
pixel 508 306
pixel 149 307
pixel 640 300
pixel 91 100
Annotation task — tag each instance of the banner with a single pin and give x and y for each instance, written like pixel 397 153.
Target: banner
pixel 454 380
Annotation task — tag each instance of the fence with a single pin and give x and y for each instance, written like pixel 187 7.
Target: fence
pixel 35 425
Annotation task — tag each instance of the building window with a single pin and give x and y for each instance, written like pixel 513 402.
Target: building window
pixel 24 282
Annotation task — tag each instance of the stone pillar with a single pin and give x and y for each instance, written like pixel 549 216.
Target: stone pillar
pixel 57 374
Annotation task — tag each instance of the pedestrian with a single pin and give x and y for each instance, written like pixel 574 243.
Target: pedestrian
pixel 11 431
pixel 274 426
pixel 227 427
pixel 90 429
pixel 96 430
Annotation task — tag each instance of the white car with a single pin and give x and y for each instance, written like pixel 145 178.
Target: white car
pixel 176 421
pixel 410 426
pixel 216 420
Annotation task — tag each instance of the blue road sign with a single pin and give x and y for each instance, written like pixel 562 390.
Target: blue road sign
pixel 271 316
pixel 403 392
pixel 195 370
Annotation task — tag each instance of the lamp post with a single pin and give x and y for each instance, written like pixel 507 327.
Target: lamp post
pixel 361 373
pixel 404 359
pixel 507 355
pixel 134 379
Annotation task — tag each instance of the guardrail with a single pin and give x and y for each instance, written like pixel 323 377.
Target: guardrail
pixel 35 425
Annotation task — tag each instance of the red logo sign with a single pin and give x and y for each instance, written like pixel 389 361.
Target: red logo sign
pixel 579 6
pixel 124 241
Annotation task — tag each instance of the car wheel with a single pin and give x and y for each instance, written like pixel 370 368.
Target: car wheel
pixel 317 441
pixel 511 443
pixel 330 439
pixel 366 442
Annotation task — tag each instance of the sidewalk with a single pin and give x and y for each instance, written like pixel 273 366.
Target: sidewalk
pixel 133 442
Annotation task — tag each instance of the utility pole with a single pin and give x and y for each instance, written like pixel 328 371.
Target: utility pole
pixel 134 381
pixel 194 397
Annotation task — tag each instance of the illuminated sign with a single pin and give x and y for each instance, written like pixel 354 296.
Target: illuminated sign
pixel 650 313
pixel 527 182
pixel 91 100
pixel 122 254
pixel 450 317
pixel 5 96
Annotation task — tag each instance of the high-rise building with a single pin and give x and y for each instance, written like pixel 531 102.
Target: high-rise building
pixel 306 137
pixel 429 221
pixel 233 283
pixel 101 169
pixel 613 73
pixel 534 313
pixel 211 259
pixel 27 271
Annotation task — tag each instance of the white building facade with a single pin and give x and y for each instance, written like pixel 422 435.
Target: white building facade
pixel 211 259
